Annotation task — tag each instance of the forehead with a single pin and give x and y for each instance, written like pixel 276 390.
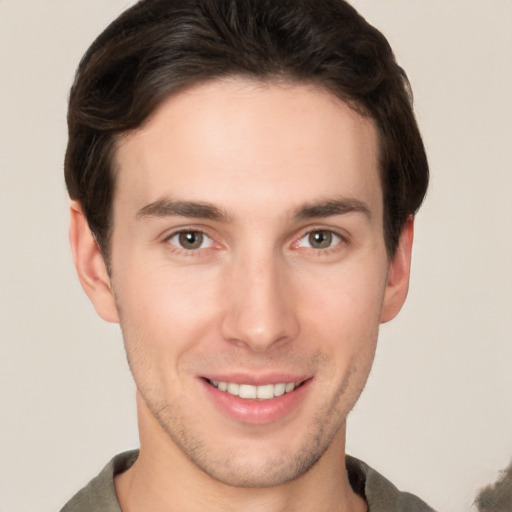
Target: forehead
pixel 273 142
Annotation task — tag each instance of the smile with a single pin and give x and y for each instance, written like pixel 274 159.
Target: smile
pixel 247 391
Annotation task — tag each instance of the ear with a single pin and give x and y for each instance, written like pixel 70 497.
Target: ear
pixel 90 265
pixel 397 284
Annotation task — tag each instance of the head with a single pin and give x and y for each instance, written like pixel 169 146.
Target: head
pixel 245 175
pixel 160 47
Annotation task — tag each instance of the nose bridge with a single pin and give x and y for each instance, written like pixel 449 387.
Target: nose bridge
pixel 259 310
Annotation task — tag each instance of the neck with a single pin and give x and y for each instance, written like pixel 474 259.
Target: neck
pixel 163 479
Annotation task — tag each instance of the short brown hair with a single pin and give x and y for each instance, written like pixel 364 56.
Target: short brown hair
pixel 159 47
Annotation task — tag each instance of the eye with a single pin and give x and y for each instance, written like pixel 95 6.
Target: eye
pixel 320 239
pixel 190 240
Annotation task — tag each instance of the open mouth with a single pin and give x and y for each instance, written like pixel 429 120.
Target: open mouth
pixel 248 391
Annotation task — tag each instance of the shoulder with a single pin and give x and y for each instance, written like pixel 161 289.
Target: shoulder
pixel 99 495
pixel 381 494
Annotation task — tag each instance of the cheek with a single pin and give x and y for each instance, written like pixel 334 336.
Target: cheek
pixel 164 314
pixel 345 299
pixel 343 312
pixel 159 294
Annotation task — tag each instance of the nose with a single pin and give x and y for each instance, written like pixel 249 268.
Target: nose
pixel 259 306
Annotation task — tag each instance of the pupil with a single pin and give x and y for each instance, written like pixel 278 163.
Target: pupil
pixel 320 239
pixel 191 239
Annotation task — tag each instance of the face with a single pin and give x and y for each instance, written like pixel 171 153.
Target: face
pixel 250 275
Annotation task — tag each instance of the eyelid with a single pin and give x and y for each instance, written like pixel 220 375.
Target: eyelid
pixel 188 229
pixel 342 238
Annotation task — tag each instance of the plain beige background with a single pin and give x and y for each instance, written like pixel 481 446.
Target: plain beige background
pixel 436 417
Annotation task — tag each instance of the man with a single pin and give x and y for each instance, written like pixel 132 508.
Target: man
pixel 244 176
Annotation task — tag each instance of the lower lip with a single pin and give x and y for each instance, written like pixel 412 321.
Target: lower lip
pixel 256 412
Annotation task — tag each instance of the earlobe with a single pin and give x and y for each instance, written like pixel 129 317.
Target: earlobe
pixel 397 284
pixel 90 265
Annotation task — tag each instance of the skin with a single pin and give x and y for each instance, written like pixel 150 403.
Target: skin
pixel 257 298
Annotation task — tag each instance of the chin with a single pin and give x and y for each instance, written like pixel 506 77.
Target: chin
pixel 263 463
pixel 245 472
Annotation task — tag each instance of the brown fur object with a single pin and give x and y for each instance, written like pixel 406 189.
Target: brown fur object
pixel 497 497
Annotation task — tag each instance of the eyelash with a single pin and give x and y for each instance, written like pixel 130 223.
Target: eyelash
pixel 176 247
pixel 338 239
pixel 180 249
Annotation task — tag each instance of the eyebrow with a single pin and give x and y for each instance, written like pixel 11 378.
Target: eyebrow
pixel 203 210
pixel 169 207
pixel 333 207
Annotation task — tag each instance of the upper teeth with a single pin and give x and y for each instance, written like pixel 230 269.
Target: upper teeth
pixel 264 392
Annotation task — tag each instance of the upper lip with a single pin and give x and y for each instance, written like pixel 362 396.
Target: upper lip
pixel 257 379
